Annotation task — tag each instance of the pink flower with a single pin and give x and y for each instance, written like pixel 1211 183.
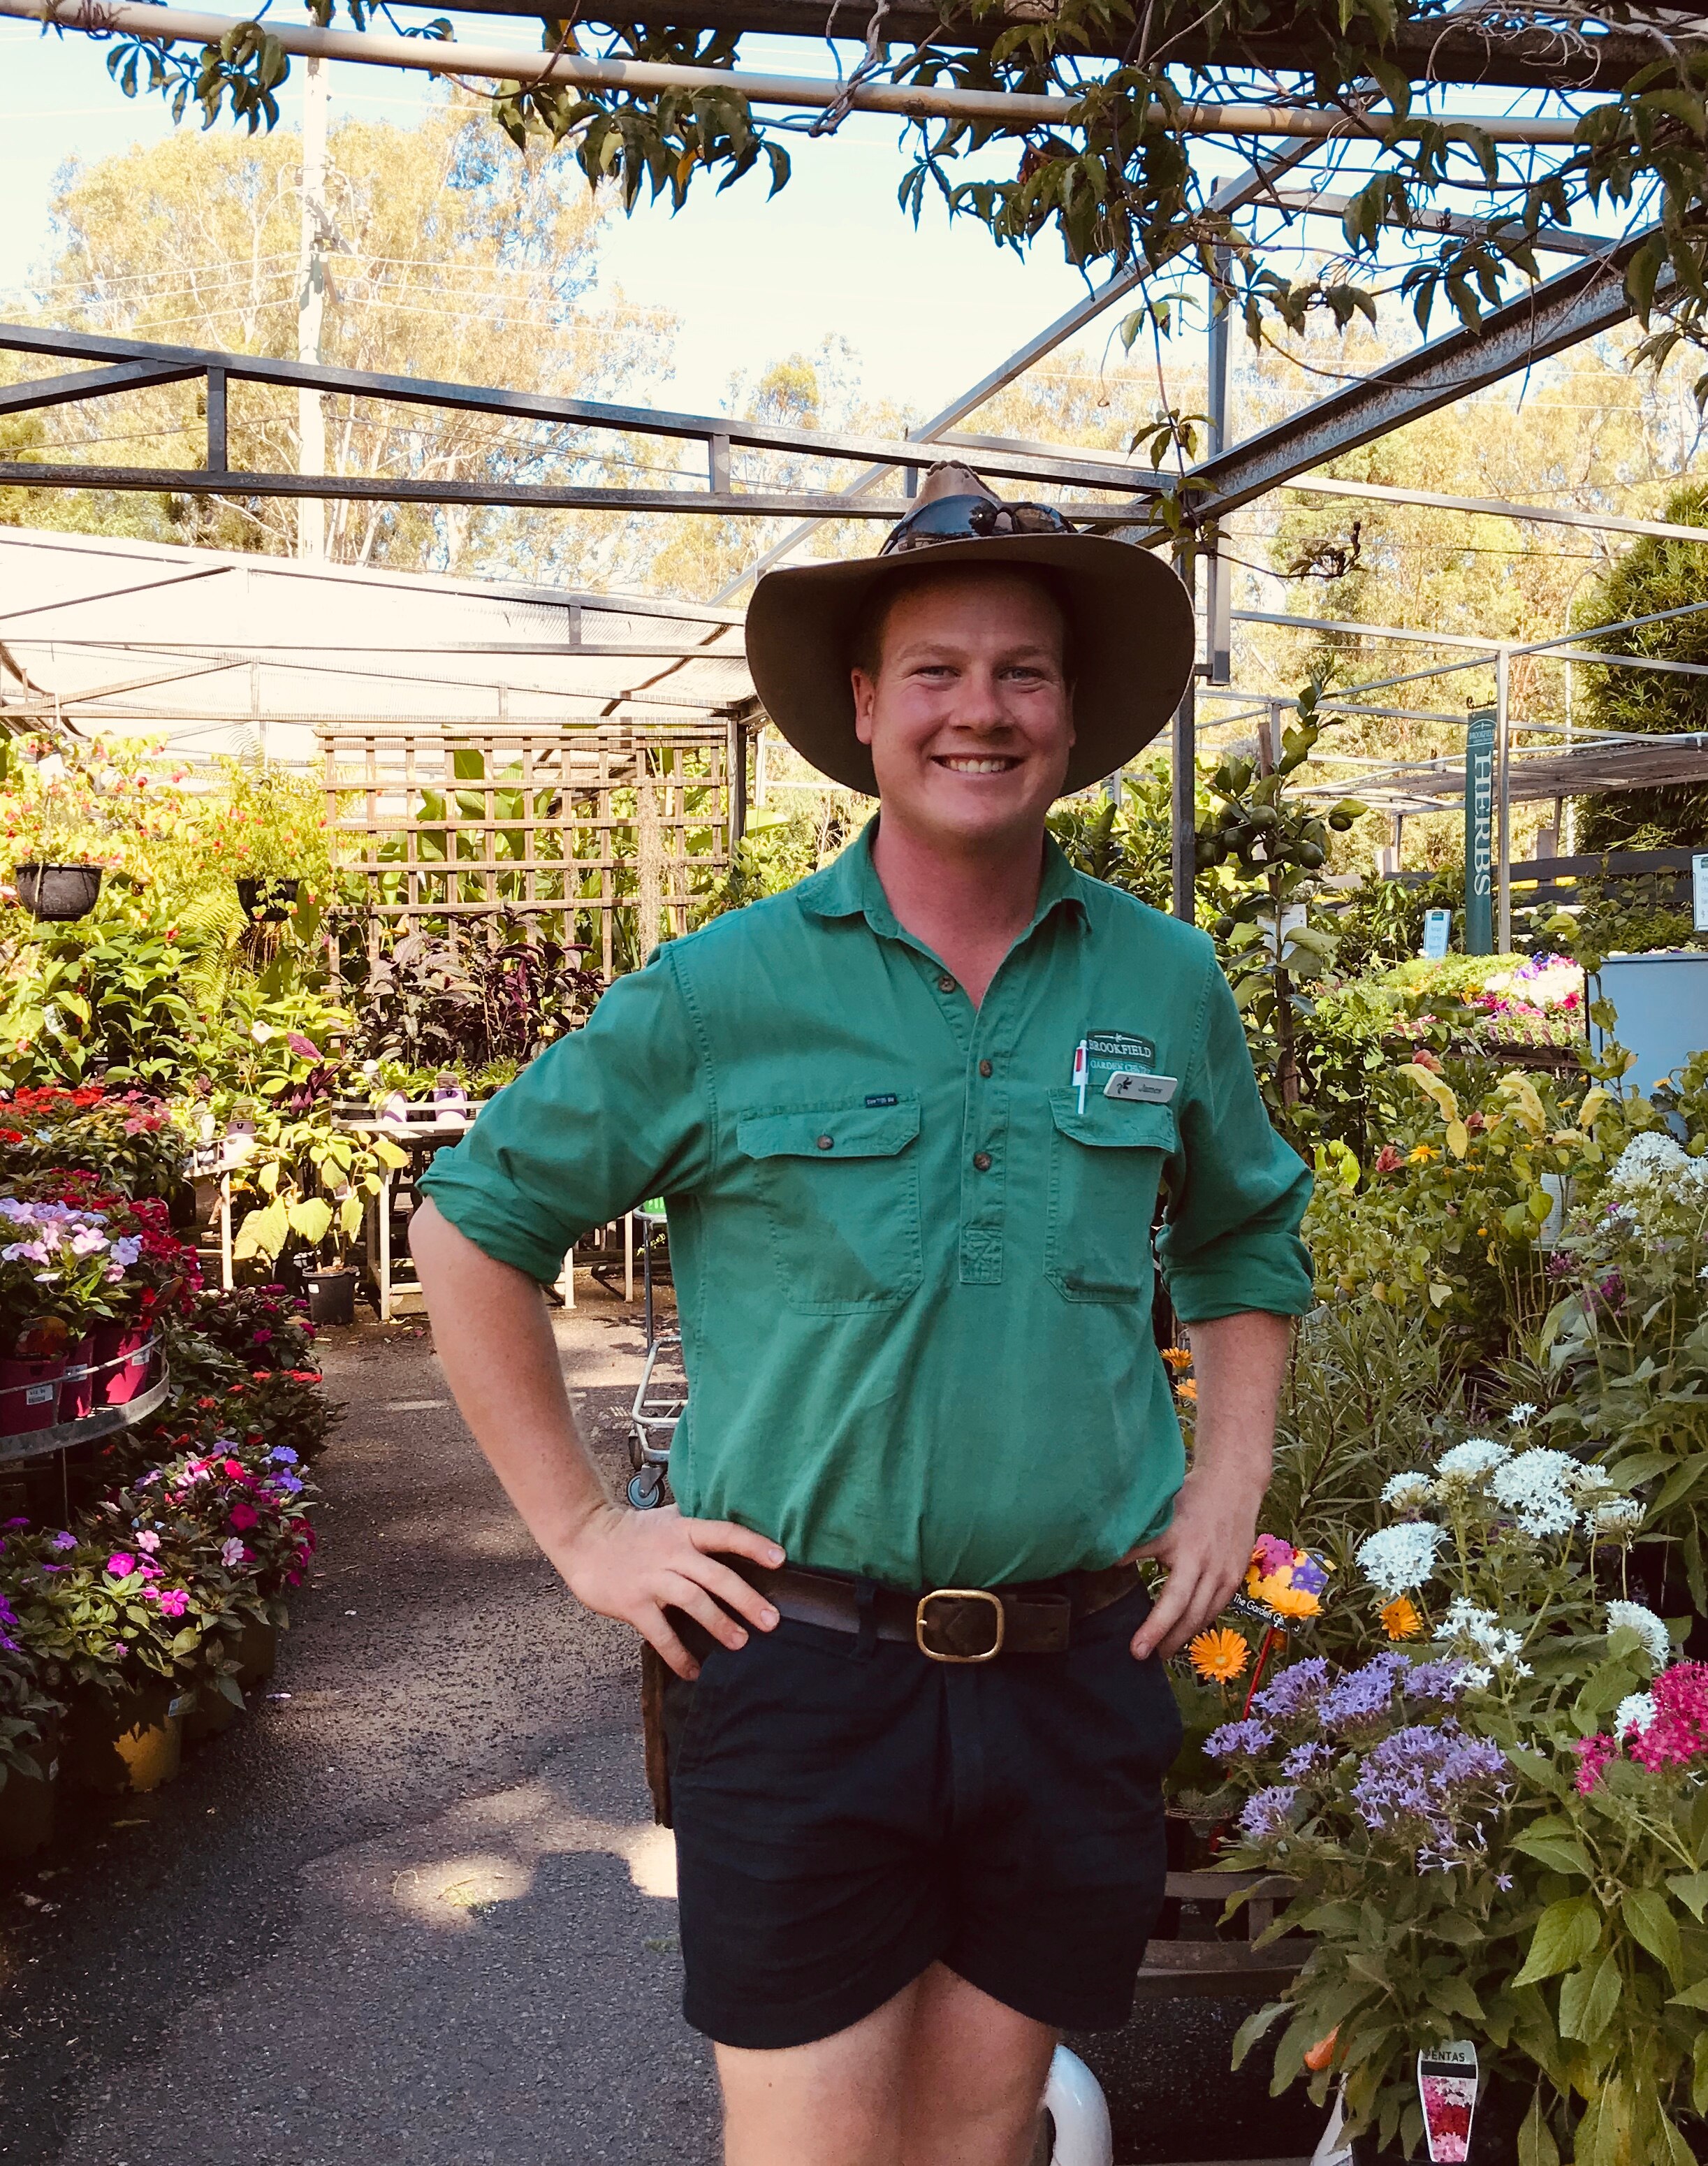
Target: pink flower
pixel 121 1564
pixel 244 1516
pixel 149 1541
pixel 1678 1731
pixel 174 1601
pixel 1594 1754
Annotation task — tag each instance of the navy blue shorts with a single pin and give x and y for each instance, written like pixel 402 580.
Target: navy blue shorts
pixel 846 1815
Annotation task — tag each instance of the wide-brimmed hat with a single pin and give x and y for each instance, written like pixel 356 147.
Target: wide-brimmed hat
pixel 1131 621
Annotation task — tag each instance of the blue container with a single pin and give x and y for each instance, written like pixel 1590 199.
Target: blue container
pixel 1661 1005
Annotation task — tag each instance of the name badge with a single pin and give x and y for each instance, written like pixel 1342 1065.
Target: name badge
pixel 1138 1088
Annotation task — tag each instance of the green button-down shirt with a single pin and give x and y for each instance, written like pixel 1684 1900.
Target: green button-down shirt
pixel 914 1272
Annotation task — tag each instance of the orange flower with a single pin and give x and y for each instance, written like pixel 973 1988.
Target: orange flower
pixel 1178 1357
pixel 1322 2052
pixel 1401 1617
pixel 1187 1389
pixel 1286 1599
pixel 1219 1656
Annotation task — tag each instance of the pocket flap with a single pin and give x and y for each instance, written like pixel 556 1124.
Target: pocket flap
pixel 846 1130
pixel 1114 1124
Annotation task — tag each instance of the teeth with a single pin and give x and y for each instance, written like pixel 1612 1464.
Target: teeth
pixel 978 766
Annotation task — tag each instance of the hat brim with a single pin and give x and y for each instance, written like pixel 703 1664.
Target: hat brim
pixel 1133 645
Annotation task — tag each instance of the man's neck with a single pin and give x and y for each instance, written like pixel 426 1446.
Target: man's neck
pixel 967 908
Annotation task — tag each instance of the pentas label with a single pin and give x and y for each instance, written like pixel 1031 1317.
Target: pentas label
pixel 1447 2084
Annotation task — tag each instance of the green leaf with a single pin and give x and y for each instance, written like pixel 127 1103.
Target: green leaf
pixel 1649 1918
pixel 1560 1853
pixel 310 1219
pixel 1691 1889
pixel 1566 1935
pixel 1588 1997
pixel 1536 2143
pixel 1693 1996
pixel 1254 2027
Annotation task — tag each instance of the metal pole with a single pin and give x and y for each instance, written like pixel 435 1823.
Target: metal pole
pixel 1503 838
pixel 1183 837
pixel 311 303
pixel 1218 595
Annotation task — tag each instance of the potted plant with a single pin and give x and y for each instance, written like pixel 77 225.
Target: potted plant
pixel 317 1178
pixel 29 1723
pixel 56 894
pixel 57 1274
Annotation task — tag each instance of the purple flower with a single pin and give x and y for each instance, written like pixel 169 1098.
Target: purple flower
pixel 1361 1696
pixel 1237 1740
pixel 1436 1681
pixel 1266 1815
pixel 282 1456
pixel 1416 1777
pixel 63 1541
pixel 289 1483
pixel 1304 1761
pixel 1296 1691
pixel 126 1249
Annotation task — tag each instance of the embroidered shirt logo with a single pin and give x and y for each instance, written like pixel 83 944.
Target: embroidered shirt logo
pixel 883 1098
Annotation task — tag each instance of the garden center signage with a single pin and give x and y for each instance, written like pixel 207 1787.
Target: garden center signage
pixel 1479 831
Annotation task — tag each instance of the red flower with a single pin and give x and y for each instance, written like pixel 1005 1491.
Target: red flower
pixel 244 1516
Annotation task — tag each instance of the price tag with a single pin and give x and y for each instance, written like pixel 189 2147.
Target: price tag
pixel 1447 2084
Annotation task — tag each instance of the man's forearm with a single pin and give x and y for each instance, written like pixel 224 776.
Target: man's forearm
pixel 494 1338
pixel 1239 1363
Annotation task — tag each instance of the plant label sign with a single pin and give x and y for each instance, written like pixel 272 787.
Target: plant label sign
pixel 1699 890
pixel 1446 2083
pixel 1437 925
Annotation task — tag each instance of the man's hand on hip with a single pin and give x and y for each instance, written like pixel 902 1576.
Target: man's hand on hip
pixel 634 1565
pixel 1239 1362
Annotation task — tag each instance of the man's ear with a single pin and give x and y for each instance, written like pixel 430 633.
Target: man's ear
pixel 865 690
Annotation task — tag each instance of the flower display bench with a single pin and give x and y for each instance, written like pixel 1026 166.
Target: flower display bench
pixel 104 1421
pixel 1204 1969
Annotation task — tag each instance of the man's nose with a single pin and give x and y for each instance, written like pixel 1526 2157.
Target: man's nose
pixel 978 704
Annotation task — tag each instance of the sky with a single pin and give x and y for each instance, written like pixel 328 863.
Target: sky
pixel 927 313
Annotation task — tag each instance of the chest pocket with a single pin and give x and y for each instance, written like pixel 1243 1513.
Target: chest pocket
pixel 840 1186
pixel 1105 1164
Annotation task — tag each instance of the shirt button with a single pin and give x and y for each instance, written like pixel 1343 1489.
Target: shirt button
pixel 985 1068
pixel 946 983
pixel 827 1143
pixel 981 1161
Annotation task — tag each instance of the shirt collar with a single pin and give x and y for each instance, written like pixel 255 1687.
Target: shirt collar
pixel 850 888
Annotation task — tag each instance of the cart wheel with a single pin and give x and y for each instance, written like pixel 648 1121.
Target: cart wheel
pixel 637 1448
pixel 646 1488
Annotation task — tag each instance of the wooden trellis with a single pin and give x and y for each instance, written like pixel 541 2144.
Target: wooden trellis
pixel 457 828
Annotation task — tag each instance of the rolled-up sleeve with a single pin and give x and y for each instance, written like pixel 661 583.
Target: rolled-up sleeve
pixel 617 1112
pixel 1237 1192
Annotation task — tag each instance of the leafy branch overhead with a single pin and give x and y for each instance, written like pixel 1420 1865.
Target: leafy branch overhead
pixel 1114 180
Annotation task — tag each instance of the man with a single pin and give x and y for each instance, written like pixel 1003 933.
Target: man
pixel 910 1120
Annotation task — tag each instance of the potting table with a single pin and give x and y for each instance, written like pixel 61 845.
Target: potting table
pixel 420 1132
pixel 1180 1970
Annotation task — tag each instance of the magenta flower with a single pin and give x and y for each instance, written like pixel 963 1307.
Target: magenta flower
pixel 174 1601
pixel 121 1564
pixel 1594 1754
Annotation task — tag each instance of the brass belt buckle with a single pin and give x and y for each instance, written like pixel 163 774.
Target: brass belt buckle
pixel 922 1620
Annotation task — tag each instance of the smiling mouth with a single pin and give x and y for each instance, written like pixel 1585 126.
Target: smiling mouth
pixel 985 764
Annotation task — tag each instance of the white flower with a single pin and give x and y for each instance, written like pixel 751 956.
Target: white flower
pixel 1405 1492
pixel 260 1032
pixel 1654 1168
pixel 1632 1617
pixel 1533 1487
pixel 1635 1711
pixel 1465 1621
pixel 1476 1677
pixel 1472 1460
pixel 1613 1518
pixel 1396 1560
pixel 1522 1412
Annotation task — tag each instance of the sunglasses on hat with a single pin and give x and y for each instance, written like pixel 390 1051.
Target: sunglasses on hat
pixel 970 519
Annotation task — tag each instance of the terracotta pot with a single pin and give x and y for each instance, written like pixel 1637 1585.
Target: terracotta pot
pixel 29 1394
pixel 28 1803
pixel 257 1653
pixel 77 1392
pixel 130 1742
pixel 122 1361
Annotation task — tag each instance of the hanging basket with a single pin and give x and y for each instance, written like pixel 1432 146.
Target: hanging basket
pixel 58 894
pixel 268 902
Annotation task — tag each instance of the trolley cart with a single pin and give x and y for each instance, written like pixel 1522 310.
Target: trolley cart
pixel 663 1390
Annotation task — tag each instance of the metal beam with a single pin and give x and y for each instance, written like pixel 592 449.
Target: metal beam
pixel 1493 508
pixel 1552 241
pixel 1562 312
pixel 1253 184
pixel 88 384
pixel 521 496
pixel 1033 462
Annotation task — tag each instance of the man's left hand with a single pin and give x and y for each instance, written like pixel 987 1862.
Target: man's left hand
pixel 1206 1547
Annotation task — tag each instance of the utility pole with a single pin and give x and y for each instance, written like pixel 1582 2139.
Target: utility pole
pixel 311 302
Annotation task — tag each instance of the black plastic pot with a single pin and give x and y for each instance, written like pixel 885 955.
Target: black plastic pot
pixel 268 902
pixel 58 893
pixel 331 1295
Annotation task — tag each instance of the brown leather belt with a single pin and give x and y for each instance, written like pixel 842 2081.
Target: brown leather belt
pixel 948 1624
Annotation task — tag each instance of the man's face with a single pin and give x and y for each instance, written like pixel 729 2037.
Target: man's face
pixel 970 718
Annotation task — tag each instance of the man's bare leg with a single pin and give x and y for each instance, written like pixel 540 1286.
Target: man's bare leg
pixel 941 2075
